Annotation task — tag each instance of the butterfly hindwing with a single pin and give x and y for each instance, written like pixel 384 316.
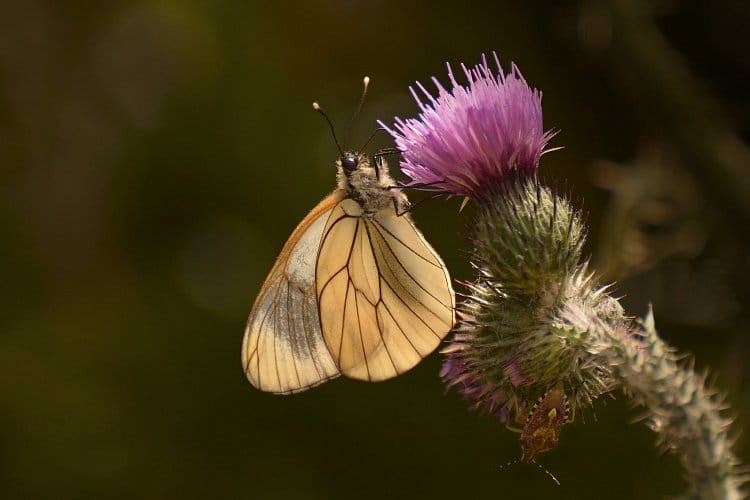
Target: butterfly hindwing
pixel 384 296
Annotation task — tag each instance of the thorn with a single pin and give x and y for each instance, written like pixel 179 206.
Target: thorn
pixel 463 204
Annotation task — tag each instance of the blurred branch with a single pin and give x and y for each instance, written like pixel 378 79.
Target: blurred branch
pixel 664 81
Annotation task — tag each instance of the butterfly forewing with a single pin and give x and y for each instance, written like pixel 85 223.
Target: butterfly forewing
pixel 384 295
pixel 283 349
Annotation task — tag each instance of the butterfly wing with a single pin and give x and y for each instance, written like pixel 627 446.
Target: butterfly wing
pixel 283 350
pixel 384 295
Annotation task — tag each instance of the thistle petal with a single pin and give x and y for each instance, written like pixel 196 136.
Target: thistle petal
pixel 475 135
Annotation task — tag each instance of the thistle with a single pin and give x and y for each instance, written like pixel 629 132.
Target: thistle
pixel 538 340
pixel 499 120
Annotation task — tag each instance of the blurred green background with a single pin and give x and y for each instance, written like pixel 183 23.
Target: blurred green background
pixel 155 156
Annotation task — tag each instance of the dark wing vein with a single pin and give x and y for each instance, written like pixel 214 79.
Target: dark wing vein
pixel 292 338
pixel 409 274
pixel 330 228
pixel 361 339
pixel 330 278
pixel 419 317
pixel 260 330
pixel 381 226
pixel 380 299
pixel 260 335
pixel 275 339
pixel 348 282
pixel 343 319
pixel 354 240
pixel 400 328
pixel 306 332
pixel 404 287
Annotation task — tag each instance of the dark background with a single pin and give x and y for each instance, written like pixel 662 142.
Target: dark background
pixel 155 156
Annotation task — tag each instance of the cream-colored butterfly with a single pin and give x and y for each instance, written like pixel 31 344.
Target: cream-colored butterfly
pixel 356 290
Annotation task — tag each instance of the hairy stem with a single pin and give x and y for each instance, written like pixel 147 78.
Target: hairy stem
pixel 683 411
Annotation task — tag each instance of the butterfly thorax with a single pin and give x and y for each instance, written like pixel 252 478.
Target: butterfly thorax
pixel 367 184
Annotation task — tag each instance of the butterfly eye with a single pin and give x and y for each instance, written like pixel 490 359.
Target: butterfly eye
pixel 349 163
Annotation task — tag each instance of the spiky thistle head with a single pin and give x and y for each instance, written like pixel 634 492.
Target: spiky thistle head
pixel 509 349
pixel 473 136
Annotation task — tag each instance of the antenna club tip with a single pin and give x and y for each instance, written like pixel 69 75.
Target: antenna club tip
pixel 316 106
pixel 366 80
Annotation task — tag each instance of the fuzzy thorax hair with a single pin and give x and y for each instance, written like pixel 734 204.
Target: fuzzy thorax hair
pixel 369 184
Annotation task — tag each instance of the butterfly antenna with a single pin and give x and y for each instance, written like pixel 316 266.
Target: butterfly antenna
pixel 317 108
pixel 547 472
pixel 366 82
pixel 374 133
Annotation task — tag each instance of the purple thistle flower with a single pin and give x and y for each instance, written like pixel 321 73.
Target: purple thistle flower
pixel 473 136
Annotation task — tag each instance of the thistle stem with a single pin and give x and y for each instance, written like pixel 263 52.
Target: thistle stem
pixel 683 411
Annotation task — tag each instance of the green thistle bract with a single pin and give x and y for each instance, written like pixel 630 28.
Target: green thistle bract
pixel 508 352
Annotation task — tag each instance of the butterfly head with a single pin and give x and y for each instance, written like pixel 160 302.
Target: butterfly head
pixel 349 162
pixel 354 169
pixel 352 161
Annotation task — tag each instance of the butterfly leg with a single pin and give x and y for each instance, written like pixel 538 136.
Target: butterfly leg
pixel 378 157
pixel 419 185
pixel 387 152
pixel 399 212
pixel 408 207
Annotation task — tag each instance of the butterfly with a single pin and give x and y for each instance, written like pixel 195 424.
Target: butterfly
pixel 356 290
